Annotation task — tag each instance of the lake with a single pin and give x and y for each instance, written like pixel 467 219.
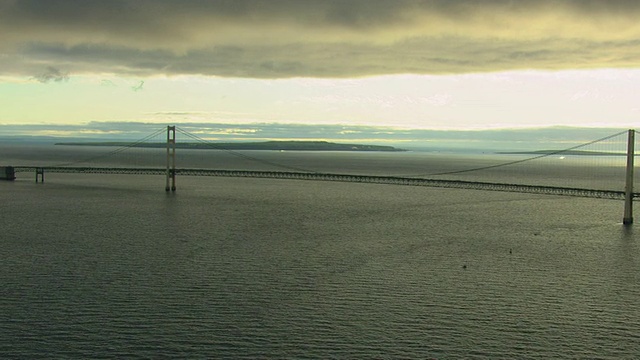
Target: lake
pixel 107 266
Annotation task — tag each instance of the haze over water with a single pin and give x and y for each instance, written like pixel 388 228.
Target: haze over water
pixel 112 266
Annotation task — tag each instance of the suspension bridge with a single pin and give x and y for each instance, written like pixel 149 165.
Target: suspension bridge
pixel 465 178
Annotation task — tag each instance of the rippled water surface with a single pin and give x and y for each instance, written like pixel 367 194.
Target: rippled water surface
pixel 112 266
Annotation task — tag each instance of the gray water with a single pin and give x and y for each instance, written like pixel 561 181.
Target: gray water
pixel 106 266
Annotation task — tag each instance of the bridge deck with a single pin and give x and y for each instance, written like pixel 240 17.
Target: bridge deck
pixel 375 179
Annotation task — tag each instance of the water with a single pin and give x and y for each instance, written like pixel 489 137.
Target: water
pixel 111 266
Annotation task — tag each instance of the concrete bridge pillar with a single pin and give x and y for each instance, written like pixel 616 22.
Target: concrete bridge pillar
pixel 39 174
pixel 7 173
pixel 628 191
pixel 171 159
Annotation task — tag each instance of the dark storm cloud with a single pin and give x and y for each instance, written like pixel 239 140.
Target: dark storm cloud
pixel 52 74
pixel 331 38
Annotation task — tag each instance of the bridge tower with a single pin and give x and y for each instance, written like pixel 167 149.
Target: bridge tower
pixel 171 158
pixel 628 191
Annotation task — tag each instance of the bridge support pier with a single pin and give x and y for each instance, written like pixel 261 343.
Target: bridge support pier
pixel 628 191
pixel 39 174
pixel 7 173
pixel 171 159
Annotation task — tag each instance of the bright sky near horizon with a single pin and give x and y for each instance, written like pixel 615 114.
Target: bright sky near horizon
pixel 417 64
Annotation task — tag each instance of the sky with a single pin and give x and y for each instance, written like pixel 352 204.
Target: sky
pixel 71 67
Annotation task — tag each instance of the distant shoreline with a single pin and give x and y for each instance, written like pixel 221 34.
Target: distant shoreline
pixel 266 145
pixel 559 152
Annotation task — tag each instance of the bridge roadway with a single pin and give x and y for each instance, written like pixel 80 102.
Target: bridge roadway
pixel 373 179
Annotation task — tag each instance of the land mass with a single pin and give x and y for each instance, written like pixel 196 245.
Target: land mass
pixel 266 145
pixel 568 152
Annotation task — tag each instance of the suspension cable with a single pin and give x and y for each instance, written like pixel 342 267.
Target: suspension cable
pixel 241 155
pixel 524 160
pixel 114 152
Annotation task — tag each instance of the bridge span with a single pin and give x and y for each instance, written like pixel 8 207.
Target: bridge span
pixel 170 172
pixel 315 176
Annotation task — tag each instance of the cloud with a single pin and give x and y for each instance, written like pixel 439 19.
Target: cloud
pixel 52 74
pixel 309 38
pixel 138 87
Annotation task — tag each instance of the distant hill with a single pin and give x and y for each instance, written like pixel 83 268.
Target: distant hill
pixel 266 145
pixel 567 152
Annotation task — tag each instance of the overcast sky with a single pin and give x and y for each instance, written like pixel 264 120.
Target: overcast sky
pixel 447 64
